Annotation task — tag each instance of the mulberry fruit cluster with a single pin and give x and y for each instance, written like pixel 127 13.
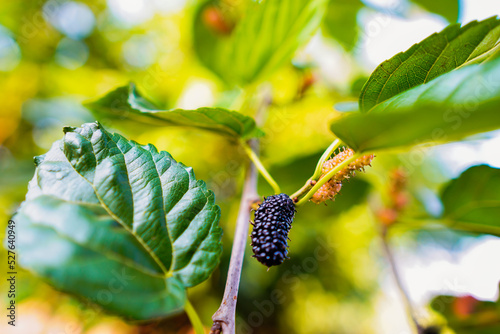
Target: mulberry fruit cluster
pixel 330 189
pixel 272 222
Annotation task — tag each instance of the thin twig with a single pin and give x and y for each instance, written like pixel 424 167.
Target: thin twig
pixel 225 316
pixel 224 319
pixel 397 277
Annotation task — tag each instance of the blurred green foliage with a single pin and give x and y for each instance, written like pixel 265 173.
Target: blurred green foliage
pixel 61 54
pixel 466 314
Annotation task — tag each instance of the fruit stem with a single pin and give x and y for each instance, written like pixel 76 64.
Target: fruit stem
pixel 194 318
pixel 328 152
pixel 260 167
pixel 325 179
pixel 317 171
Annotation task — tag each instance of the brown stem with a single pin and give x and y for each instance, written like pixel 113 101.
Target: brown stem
pixel 224 318
pixel 397 277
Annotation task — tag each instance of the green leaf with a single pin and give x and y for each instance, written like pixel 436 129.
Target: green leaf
pixel 266 37
pixel 434 56
pixel 457 104
pixel 473 200
pixel 446 8
pixel 127 104
pixel 118 223
pixel 341 21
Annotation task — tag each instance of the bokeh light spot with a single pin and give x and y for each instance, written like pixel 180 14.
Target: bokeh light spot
pixel 74 19
pixel 71 54
pixel 10 53
pixel 139 51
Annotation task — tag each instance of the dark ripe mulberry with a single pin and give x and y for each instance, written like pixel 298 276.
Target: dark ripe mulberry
pixel 273 220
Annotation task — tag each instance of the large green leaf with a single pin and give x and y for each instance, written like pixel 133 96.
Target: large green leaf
pixel 446 8
pixel 341 21
pixel 457 104
pixel 473 199
pixel 118 223
pixel 437 54
pixel 266 37
pixel 126 104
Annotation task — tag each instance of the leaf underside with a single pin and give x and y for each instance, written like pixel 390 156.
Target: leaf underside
pixel 440 90
pixel 449 108
pixel 118 223
pixel 126 104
